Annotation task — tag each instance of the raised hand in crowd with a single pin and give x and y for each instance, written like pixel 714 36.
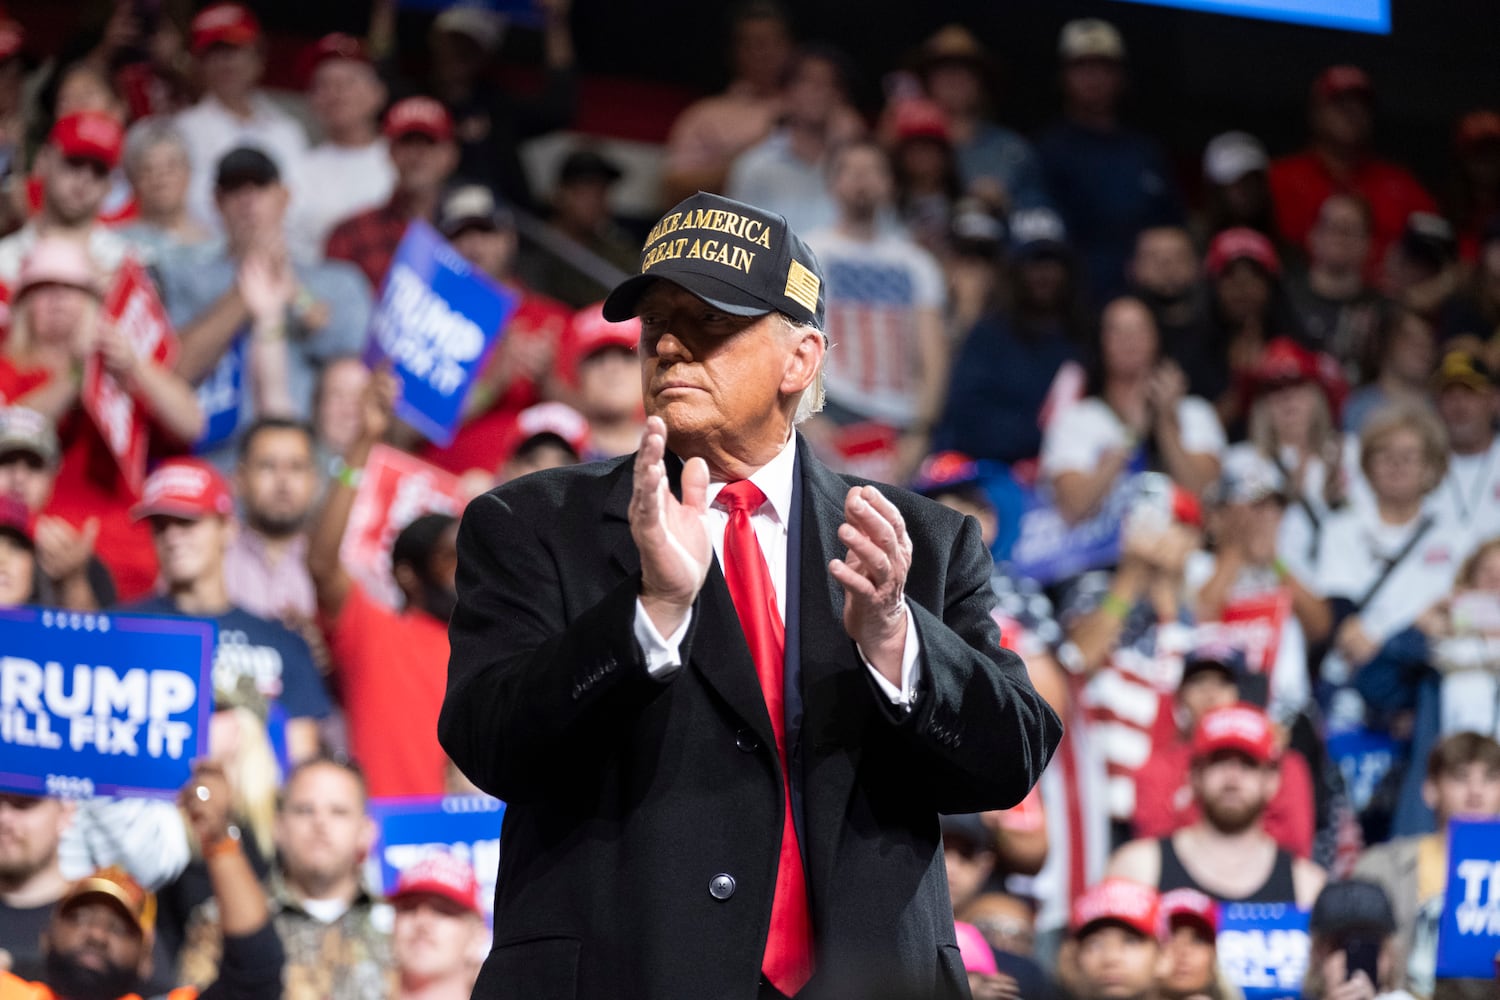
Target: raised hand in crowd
pixel 62 554
pixel 267 285
pixel 1339 985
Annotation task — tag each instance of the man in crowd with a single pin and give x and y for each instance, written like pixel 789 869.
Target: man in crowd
pixel 251 298
pixel 710 133
pixel 1468 403
pixel 156 164
pixel 97 945
pixel 1108 181
pixel 31 879
pixel 545 436
pixel 336 939
pixel 392 714
pixel 419 136
pixel 885 309
pixel 1227 854
pixel 29 458
pixel 229 50
pixel 1164 273
pixel 1114 952
pixel 276 480
pixel 1349 919
pixel 1463 782
pixel 786 172
pixel 439 930
pixel 1340 157
pixel 191 513
pixel 581 211
pixel 74 167
pixel 606 373
pixel 350 170
pixel 1340 313
pixel 1190 921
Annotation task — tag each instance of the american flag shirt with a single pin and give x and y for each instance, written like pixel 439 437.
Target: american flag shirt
pixel 875 290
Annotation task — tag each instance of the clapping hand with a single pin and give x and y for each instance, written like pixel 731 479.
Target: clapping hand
pixel 873 574
pixel 267 285
pixel 669 533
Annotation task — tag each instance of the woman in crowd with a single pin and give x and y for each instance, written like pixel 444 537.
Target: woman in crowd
pixel 18 570
pixel 1137 416
pixel 55 330
pixel 1406 353
pixel 157 165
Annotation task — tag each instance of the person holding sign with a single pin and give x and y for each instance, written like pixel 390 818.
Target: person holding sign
pixel 98 943
pixel 726 696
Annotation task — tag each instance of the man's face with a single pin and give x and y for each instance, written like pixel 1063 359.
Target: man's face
pixel 1164 263
pixel 160 179
pixel 344 94
pixel 94 951
pixel 340 393
pixel 762 49
pixel 969 865
pixel 1233 790
pixel 956 86
pixel 422 165
pixel 1117 963
pixel 277 481
pixel 1470 791
pixel 1340 239
pixel 1093 85
pixel 190 550
pixel 609 384
pixel 252 212
pixel 433 938
pixel 231 71
pixel 1243 291
pixel 1189 959
pixel 30 830
pixel 1344 120
pixel 813 91
pixel 722 384
pixel 1206 690
pixel 17 570
pixel 73 188
pixel 1469 415
pixel 583 203
pixel 28 478
pixel 322 831
pixel 861 182
pixel 490 249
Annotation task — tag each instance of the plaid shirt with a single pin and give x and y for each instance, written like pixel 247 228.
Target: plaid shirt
pixel 368 240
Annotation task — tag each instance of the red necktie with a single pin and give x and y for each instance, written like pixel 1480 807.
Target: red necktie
pixel 788 959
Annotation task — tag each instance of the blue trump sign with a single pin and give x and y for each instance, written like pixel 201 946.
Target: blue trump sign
pixel 436 322
pixel 97 704
pixel 466 826
pixel 1263 949
pixel 1048 548
pixel 1469 931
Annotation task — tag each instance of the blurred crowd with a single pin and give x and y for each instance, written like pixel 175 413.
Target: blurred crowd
pixel 1236 458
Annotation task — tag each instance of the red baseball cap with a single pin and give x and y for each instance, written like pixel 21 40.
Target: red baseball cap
pixel 12 38
pixel 16 518
pixel 1189 908
pixel 1241 243
pixel 1336 81
pixel 184 487
pixel 224 24
pixel 593 333
pixel 1242 728
pixel 919 118
pixel 89 135
pixel 418 116
pixel 443 875
pixel 1120 901
pixel 333 46
pixel 547 418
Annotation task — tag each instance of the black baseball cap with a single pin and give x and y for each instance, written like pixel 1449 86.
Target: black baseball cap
pixel 243 166
pixel 736 257
pixel 1352 906
pixel 588 165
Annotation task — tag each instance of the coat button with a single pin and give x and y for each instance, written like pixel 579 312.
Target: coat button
pixel 721 886
pixel 746 741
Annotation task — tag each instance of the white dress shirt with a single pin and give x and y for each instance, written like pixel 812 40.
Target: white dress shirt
pixel 663 654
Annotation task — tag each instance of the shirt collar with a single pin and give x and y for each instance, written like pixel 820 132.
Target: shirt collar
pixel 774 480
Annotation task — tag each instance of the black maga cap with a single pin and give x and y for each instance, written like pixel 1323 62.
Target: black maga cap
pixel 245 165
pixel 1352 906
pixel 736 257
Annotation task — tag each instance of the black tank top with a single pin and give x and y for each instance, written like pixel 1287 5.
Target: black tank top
pixel 1278 888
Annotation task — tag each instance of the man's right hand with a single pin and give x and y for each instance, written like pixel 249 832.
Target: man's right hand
pixel 673 543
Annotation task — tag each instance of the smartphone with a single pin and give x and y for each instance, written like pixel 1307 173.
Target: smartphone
pixel 1150 510
pixel 1362 954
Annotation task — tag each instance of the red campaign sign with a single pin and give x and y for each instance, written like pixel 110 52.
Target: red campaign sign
pixel 866 449
pixel 396 489
pixel 132 306
pixel 1254 626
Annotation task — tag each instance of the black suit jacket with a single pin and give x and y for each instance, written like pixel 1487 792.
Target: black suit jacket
pixel 628 796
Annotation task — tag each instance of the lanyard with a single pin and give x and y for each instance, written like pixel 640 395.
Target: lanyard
pixel 1476 492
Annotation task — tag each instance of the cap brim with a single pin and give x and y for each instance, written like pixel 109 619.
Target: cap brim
pixel 102 889
pixel 621 304
pixel 435 890
pixel 1113 921
pixel 184 511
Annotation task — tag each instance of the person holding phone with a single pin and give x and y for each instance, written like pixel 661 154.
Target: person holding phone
pixel 1352 955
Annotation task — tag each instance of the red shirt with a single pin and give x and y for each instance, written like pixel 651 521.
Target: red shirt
pixel 89 484
pixel 393 669
pixel 1300 183
pixel 479 439
pixel 369 240
pixel 1164 799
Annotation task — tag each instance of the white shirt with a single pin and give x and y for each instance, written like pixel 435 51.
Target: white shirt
pixel 1469 495
pixel 1080 436
pixel 337 182
pixel 774 479
pixel 210 130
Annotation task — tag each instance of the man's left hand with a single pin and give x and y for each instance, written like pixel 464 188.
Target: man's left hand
pixel 873 573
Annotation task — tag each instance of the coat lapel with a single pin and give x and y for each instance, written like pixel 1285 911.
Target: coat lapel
pixel 717 650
